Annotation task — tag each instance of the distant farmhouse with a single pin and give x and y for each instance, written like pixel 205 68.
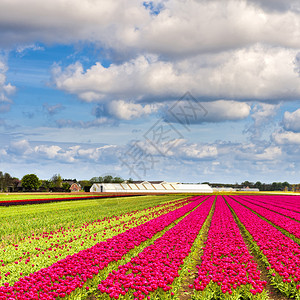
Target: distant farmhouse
pixel 150 187
pixel 223 189
pixel 247 189
pixel 75 187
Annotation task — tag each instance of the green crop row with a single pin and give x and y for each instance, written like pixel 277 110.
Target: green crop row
pixel 17 222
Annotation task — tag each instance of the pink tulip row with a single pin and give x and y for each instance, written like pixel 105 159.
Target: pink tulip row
pixel 61 231
pixel 157 266
pixel 288 224
pixel 38 245
pixel 282 253
pixel 70 273
pixel 287 202
pixel 43 252
pixel 271 206
pixel 226 264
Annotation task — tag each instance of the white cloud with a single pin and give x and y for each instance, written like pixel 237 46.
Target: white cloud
pixel 195 112
pixel 20 148
pixel 133 79
pixel 194 151
pixel 3 152
pixel 49 152
pixel 232 24
pixel 6 89
pixel 256 73
pixel 278 5
pixel 262 112
pixel 262 115
pixel 99 122
pixel 96 153
pixel 25 150
pixel 223 110
pixel 286 137
pixel 177 149
pixel 207 162
pixel 22 49
pixel 180 28
pixel 270 153
pixel 291 121
pixel 127 110
pixel 253 152
pixel 53 109
pixel 60 20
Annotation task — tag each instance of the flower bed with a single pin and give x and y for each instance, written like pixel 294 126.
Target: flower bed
pixel 153 270
pixel 288 224
pixel 227 268
pixel 64 276
pixel 280 254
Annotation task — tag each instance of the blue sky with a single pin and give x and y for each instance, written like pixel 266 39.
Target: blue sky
pixel 188 91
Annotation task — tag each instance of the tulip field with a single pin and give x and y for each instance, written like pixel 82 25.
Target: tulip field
pixel 153 247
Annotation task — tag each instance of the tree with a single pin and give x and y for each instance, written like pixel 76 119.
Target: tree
pixel 117 179
pixel 1 181
pixel 107 179
pixel 56 181
pixel 14 183
pixel 276 186
pixel 66 186
pixel 7 183
pixel 96 180
pixel 247 183
pixel 286 185
pixel 258 185
pixel 45 185
pixel 84 183
pixel 30 182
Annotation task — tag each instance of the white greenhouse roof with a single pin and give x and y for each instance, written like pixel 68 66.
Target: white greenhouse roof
pixel 150 187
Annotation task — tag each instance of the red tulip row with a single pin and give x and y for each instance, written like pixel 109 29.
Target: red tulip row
pixel 226 264
pixel 66 275
pixel 288 224
pixel 270 206
pixel 280 253
pixel 157 266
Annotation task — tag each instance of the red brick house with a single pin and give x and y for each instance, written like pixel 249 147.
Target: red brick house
pixel 75 187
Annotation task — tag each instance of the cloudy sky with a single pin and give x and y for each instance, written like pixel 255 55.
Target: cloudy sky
pixel 178 90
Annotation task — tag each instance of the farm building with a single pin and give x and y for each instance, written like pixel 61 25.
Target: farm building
pixel 75 187
pixel 247 189
pixel 224 189
pixel 150 187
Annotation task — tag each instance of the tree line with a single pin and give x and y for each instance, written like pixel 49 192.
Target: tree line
pixel 31 182
pixel 274 186
pixel 7 181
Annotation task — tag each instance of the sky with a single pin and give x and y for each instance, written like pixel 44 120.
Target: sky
pixel 175 90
